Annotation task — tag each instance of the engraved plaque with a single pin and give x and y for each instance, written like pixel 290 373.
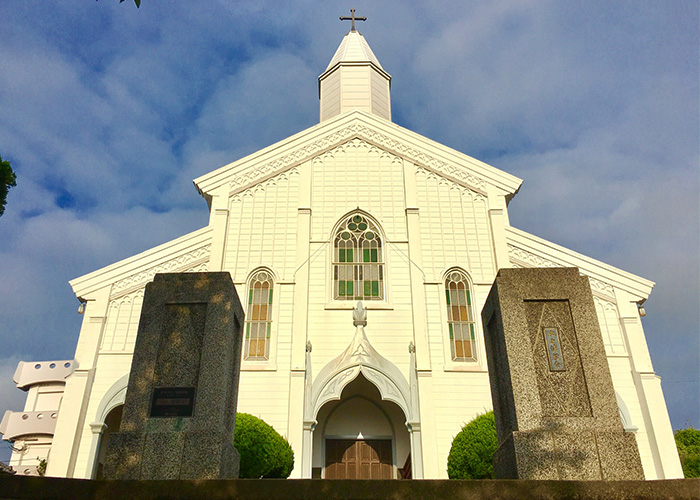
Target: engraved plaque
pixel 561 380
pixel 554 352
pixel 172 402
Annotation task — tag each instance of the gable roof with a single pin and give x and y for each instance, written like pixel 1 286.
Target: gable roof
pixel 176 255
pixel 529 250
pixel 292 151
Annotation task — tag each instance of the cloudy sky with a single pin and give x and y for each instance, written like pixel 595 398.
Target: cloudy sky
pixel 107 113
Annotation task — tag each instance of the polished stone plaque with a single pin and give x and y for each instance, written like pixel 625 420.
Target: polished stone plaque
pixel 554 352
pixel 172 402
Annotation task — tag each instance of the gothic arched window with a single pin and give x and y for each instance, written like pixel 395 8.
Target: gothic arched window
pixel 259 317
pixel 460 319
pixel 358 265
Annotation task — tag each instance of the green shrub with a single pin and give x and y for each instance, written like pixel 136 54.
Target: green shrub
pixel 264 453
pixel 688 444
pixel 471 455
pixel 41 468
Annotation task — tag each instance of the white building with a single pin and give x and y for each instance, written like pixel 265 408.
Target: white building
pixel 354 208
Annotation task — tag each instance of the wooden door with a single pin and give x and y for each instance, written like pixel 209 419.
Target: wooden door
pixel 359 459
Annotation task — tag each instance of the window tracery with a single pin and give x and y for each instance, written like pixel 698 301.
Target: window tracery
pixel 460 318
pixel 259 317
pixel 358 265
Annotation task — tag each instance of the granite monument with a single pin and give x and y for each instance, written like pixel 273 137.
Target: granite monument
pixel 554 402
pixel 180 408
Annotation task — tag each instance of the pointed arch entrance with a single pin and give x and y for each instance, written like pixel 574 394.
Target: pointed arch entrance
pixel 360 435
pixel 361 402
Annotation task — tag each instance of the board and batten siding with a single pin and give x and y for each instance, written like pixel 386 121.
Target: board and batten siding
pixel 359 175
pixel 262 228
pixel 454 228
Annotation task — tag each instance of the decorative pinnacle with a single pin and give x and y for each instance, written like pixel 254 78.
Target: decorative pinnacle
pixel 359 315
pixel 352 18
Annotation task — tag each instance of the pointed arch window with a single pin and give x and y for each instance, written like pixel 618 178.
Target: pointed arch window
pixel 259 317
pixel 460 318
pixel 358 265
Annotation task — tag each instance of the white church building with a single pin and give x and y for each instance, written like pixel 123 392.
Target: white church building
pixel 353 209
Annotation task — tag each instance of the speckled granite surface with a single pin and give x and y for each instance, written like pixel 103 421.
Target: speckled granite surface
pixel 189 337
pixel 555 406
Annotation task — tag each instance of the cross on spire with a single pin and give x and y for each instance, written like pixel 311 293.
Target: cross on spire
pixel 352 18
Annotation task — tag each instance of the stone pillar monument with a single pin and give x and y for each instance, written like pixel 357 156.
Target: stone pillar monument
pixel 554 402
pixel 180 407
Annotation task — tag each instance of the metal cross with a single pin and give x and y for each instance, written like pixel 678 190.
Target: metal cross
pixel 353 18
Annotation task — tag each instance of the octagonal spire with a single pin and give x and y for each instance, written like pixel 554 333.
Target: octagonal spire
pixel 354 79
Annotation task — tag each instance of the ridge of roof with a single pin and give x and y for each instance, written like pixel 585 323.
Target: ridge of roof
pixel 318 138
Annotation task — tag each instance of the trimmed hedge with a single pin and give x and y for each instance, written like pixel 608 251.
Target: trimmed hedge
pixel 688 444
pixel 264 453
pixel 471 455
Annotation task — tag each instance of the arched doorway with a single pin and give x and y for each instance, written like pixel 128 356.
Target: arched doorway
pixel 112 422
pixel 360 436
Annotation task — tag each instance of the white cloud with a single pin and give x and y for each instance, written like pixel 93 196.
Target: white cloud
pixel 109 112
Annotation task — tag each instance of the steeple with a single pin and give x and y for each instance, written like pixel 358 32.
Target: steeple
pixel 354 79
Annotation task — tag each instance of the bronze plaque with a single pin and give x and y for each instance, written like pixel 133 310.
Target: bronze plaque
pixel 172 402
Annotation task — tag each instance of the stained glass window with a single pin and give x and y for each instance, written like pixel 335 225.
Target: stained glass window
pixel 358 266
pixel 259 317
pixel 460 320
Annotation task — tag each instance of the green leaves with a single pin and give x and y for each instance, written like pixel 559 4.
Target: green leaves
pixel 8 179
pixel 688 444
pixel 471 455
pixel 264 453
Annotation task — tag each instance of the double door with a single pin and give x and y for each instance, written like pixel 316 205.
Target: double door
pixel 359 459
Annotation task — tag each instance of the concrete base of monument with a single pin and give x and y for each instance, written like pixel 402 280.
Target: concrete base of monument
pixel 34 488
pixel 573 455
pixel 164 455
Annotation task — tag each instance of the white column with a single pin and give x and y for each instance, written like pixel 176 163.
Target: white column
pixel 651 398
pixel 72 413
pixel 218 222
pixel 431 468
pixel 416 450
pixel 415 254
pixel 307 452
pixel 295 416
pixel 498 220
pixel 413 420
pixel 301 277
pixel 307 449
pixel 97 429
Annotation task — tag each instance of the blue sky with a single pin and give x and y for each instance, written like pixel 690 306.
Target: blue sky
pixel 107 113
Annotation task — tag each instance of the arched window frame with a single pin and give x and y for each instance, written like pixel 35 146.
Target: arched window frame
pixel 461 322
pixel 258 330
pixel 366 249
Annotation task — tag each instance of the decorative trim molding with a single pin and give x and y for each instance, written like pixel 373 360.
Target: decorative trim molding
pixel 338 139
pixel 528 259
pixel 603 289
pixel 196 260
pixel 475 195
pixel 269 181
pixel 522 258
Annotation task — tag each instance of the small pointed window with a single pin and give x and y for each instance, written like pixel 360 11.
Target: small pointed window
pixel 460 319
pixel 358 265
pixel 259 317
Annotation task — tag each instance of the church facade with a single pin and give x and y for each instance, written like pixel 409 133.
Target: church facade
pixel 354 209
